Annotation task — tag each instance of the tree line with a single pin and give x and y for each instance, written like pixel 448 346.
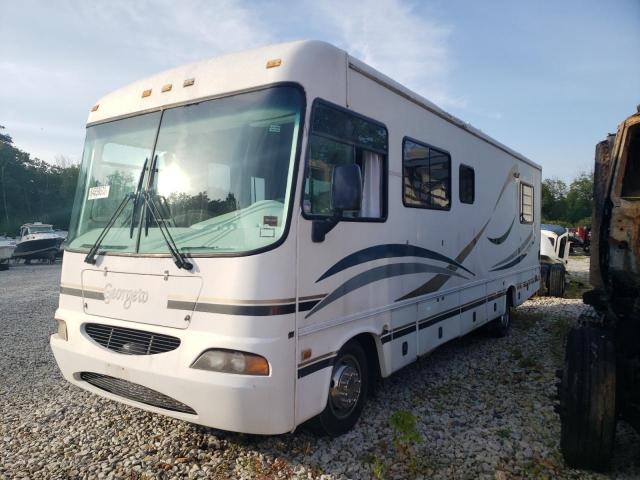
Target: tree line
pixel 570 205
pixel 32 190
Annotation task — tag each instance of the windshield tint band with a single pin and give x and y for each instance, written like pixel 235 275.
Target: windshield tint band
pixel 271 122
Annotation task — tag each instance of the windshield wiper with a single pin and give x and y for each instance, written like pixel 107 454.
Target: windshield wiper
pixel 136 199
pixel 178 258
pixel 91 256
pixel 93 251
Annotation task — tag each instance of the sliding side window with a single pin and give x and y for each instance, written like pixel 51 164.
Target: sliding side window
pixel 340 137
pixel 467 184
pixel 526 203
pixel 426 176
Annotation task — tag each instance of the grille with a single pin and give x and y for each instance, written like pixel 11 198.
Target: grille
pixel 129 341
pixel 133 391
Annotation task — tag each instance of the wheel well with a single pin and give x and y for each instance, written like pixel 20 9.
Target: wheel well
pixel 368 344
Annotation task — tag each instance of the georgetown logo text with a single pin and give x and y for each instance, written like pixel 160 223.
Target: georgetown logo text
pixel 127 297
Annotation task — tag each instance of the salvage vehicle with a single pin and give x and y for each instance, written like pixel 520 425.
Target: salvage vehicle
pixel 257 238
pixel 600 379
pixel 554 255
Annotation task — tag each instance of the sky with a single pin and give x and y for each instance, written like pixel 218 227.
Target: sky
pixel 547 78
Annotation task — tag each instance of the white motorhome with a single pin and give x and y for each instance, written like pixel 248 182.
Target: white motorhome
pixel 258 237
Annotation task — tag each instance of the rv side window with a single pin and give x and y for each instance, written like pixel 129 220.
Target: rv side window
pixel 467 184
pixel 426 176
pixel 526 203
pixel 339 137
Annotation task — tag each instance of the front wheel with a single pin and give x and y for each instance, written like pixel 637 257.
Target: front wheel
pixel 347 392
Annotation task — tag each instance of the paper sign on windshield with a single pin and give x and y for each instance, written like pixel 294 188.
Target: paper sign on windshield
pixel 101 191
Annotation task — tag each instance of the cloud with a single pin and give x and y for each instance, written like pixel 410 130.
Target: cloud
pixel 393 37
pixel 184 31
pixel 63 57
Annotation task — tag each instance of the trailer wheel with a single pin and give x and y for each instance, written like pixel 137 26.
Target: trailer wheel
pixel 347 392
pixel 556 280
pixel 588 399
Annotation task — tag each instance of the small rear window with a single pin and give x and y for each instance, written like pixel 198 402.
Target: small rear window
pixel 526 203
pixel 467 184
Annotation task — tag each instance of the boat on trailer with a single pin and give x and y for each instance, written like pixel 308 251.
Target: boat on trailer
pixel 38 241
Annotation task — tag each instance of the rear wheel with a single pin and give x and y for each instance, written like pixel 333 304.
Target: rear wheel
pixel 588 399
pixel 501 326
pixel 556 280
pixel 347 392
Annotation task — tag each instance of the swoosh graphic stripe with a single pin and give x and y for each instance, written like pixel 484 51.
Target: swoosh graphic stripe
pixel 512 263
pixel 391 250
pixel 438 281
pixel 379 273
pixel 517 252
pixel 499 240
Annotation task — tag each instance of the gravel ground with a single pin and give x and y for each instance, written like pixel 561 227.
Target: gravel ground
pixel 483 408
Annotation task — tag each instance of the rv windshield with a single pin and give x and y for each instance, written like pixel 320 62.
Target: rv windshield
pixel 221 176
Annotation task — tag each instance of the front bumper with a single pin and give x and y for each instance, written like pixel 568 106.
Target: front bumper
pixel 241 403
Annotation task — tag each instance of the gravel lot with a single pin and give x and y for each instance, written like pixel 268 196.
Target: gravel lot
pixel 483 409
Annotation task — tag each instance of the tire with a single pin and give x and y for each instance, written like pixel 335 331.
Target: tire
pixel 544 280
pixel 501 326
pixel 342 410
pixel 588 399
pixel 556 280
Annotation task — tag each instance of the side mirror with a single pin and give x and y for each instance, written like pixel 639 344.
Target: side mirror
pixel 346 188
pixel 346 194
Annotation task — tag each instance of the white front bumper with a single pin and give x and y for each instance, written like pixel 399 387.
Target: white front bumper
pixel 241 403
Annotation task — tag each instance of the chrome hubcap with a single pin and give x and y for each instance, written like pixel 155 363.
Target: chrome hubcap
pixel 346 383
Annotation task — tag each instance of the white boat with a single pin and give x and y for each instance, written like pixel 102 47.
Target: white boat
pixel 37 241
pixel 7 246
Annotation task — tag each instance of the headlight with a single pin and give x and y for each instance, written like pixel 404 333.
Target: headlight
pixel 62 328
pixel 232 361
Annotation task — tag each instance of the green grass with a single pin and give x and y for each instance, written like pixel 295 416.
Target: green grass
pixel 522 320
pixel 529 363
pixel 575 288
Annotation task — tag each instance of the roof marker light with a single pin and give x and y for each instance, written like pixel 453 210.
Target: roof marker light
pixel 188 82
pixel 276 62
pixel 166 88
pixel 146 93
pixel 95 107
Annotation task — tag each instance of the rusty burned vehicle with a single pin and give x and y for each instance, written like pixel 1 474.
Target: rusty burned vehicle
pixel 600 379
